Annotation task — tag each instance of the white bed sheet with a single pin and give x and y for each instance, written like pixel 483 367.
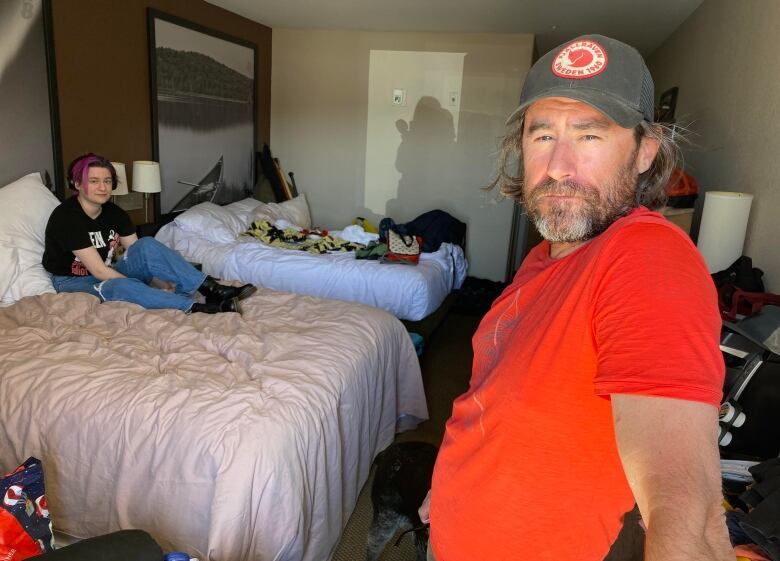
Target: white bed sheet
pixel 407 292
pixel 230 437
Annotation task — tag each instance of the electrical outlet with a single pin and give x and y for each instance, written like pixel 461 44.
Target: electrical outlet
pixel 399 96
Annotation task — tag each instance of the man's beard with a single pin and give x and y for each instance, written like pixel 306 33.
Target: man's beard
pixel 569 221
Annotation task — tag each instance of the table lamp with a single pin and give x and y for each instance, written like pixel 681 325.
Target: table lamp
pixel 146 179
pixel 121 177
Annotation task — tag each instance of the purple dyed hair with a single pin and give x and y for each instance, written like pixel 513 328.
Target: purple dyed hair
pixel 78 170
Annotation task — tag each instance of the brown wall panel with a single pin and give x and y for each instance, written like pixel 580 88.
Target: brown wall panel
pixel 102 56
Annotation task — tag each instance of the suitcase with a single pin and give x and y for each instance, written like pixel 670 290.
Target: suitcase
pixel 750 415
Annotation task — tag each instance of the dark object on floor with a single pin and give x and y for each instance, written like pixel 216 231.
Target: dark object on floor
pixel 125 545
pixel 762 523
pixel 401 481
pixel 428 325
pixel 418 342
pixel 630 543
pixel 477 295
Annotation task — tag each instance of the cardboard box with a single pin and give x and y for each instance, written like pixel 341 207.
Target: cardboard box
pixel 683 217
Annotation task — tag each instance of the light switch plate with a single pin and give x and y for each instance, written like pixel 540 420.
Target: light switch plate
pixel 399 96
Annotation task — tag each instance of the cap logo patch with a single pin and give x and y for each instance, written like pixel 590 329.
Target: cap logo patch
pixel 580 59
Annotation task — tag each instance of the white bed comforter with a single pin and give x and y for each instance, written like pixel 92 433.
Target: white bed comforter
pixel 230 437
pixel 407 292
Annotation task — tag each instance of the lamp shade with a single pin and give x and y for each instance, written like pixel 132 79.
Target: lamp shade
pixel 121 176
pixel 146 177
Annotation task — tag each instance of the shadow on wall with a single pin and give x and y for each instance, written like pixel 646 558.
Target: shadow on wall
pixel 438 165
pixel 426 155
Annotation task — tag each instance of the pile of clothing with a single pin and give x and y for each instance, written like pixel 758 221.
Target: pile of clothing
pixel 310 241
pixel 754 516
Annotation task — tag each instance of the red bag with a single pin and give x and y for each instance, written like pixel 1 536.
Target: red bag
pixel 733 300
pixel 682 189
pixel 402 249
pixel 25 525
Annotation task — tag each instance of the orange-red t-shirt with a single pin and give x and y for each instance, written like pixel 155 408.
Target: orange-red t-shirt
pixel 529 468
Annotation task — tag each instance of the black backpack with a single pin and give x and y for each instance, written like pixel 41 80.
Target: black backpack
pixel 436 227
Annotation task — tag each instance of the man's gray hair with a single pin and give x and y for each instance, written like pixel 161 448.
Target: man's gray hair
pixel 651 185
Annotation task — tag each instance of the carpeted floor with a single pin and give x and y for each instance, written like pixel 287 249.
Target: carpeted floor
pixel 446 368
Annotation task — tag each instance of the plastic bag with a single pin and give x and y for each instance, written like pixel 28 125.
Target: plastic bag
pixel 25 525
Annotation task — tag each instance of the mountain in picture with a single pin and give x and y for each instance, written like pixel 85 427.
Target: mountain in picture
pixel 192 74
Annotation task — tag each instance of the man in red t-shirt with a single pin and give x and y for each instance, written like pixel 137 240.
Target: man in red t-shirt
pixel 597 374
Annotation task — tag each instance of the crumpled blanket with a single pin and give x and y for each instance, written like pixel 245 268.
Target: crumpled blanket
pixel 290 238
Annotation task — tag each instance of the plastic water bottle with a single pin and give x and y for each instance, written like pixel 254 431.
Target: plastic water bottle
pixel 177 556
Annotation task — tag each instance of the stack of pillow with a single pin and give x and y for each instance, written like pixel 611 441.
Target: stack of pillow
pixel 223 224
pixel 25 206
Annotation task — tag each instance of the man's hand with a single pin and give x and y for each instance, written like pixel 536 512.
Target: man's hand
pixel 425 509
pixel 669 452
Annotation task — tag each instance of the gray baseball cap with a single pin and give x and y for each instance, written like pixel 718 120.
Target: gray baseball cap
pixel 602 72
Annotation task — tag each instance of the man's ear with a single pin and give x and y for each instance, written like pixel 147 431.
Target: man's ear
pixel 648 148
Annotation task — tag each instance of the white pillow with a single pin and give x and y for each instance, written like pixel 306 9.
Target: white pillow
pixel 213 222
pixel 9 257
pixel 30 282
pixel 242 209
pixel 25 206
pixel 295 210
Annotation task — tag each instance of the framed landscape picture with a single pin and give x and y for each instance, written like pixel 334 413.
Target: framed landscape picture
pixel 203 113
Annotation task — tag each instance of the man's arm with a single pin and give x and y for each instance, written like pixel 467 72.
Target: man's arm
pixel 669 452
pixel 91 259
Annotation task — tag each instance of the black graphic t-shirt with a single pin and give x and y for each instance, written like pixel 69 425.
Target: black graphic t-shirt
pixel 69 228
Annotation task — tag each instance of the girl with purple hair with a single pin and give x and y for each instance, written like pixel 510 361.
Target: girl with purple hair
pixel 82 238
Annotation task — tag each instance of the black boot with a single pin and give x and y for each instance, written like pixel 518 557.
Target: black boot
pixel 215 292
pixel 229 305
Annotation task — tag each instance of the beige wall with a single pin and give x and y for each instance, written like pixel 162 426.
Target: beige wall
pixel 724 58
pixel 355 153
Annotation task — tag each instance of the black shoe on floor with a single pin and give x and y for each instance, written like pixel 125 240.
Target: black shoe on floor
pixel 229 305
pixel 215 292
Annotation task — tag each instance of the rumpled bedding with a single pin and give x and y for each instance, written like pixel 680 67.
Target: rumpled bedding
pixel 230 437
pixel 297 239
pixel 410 293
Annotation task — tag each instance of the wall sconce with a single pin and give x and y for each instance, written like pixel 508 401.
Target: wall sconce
pixel 146 179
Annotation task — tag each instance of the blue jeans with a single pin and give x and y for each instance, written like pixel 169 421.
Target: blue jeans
pixel 145 259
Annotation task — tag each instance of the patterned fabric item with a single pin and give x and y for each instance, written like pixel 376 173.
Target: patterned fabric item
pixel 290 238
pixel 402 245
pixel 402 249
pixel 25 526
